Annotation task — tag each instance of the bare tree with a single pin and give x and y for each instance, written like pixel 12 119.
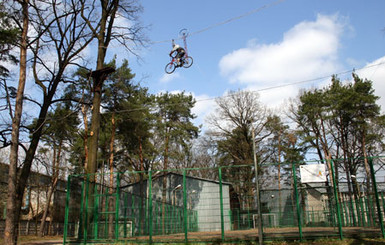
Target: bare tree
pixel 232 123
pixel 14 194
pixel 105 31
pixel 58 32
pixel 239 111
pixel 58 37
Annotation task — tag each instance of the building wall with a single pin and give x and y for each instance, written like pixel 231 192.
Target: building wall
pixel 35 196
pixel 202 197
pixel 315 206
pixel 207 204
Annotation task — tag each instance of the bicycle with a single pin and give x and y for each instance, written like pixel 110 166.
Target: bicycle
pixel 186 61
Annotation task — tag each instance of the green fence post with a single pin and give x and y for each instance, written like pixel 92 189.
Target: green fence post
pixel 377 199
pixel 185 205
pixel 66 210
pixel 81 214
pixel 167 223
pixel 158 213
pixel 221 203
pixel 117 200
pixel 297 202
pixel 125 214
pixel 85 231
pixel 133 212
pixel 337 202
pixel 106 214
pixel 95 212
pixel 150 205
pixel 146 223
pixel 342 213
pixel 383 202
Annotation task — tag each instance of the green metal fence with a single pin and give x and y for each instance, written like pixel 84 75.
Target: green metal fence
pixel 221 205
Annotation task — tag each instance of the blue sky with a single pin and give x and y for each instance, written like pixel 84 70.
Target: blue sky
pixel 281 43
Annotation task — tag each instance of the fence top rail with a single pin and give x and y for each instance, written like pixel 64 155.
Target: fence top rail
pixel 320 161
pixel 156 171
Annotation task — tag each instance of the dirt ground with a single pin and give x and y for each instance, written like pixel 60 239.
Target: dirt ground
pixel 286 234
pixel 274 236
pixel 36 240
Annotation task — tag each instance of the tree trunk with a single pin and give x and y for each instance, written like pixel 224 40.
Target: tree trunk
pixel 111 161
pixel 104 37
pixel 91 166
pixel 368 179
pixel 46 208
pixel 85 138
pixel 98 80
pixel 54 180
pixel 143 195
pixel 37 208
pixel 14 197
pixel 164 185
pixel 279 176
pixel 350 190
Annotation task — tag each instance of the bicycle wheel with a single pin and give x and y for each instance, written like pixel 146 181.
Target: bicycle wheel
pixel 188 61
pixel 170 68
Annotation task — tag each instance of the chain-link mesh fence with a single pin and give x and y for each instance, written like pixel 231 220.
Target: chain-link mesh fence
pixel 296 201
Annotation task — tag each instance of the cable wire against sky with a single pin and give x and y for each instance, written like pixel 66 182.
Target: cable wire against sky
pixel 305 81
pixel 226 21
pixel 277 86
pixel 256 91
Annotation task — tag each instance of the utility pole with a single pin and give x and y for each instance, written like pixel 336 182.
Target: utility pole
pixel 260 232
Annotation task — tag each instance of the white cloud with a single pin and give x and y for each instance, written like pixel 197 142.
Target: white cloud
pixel 166 78
pixel 375 71
pixel 204 106
pixel 308 50
pixel 275 98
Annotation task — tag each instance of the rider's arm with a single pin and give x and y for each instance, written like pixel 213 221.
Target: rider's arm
pixel 173 50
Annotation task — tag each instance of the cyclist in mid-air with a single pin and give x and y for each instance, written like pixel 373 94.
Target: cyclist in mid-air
pixel 180 52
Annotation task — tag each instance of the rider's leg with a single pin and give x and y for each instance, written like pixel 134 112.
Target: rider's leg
pixel 180 58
